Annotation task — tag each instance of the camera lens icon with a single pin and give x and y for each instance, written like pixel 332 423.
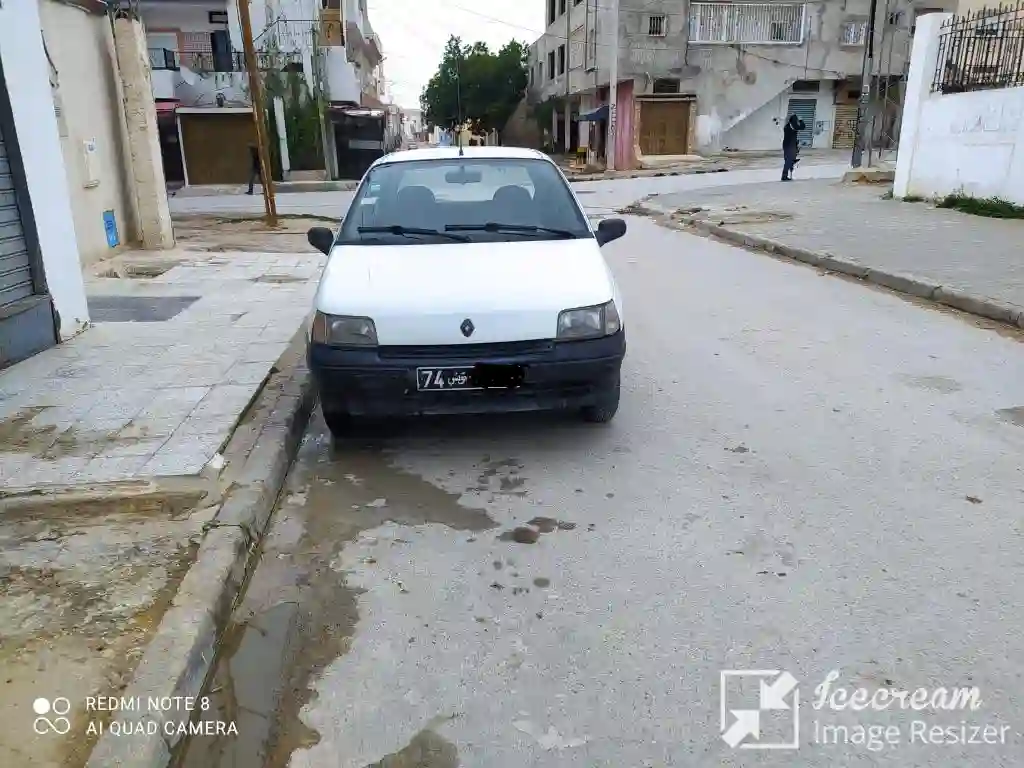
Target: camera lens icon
pixel 60 707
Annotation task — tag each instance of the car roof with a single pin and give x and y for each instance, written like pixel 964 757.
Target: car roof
pixel 450 153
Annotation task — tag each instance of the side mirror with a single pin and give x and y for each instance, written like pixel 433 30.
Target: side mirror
pixel 322 239
pixel 610 229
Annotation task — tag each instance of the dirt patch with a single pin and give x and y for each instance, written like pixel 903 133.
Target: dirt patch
pixel 82 597
pixel 219 234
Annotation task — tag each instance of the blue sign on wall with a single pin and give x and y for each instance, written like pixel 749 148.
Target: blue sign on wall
pixel 110 225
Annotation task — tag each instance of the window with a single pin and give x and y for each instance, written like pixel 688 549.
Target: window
pixel 551 65
pixel 747 23
pixel 656 25
pixel 551 12
pixel 447 195
pixel 853 33
pixel 896 19
pixel 561 59
pixel 665 85
pixel 561 7
pixel 592 34
pixel 807 86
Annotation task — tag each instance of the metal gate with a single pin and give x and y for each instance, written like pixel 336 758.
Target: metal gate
pixel 26 315
pixel 804 109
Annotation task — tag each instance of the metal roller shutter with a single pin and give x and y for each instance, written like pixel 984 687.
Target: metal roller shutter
pixel 804 109
pixel 15 268
pixel 28 323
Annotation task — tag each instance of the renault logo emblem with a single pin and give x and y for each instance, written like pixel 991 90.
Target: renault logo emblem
pixel 467 327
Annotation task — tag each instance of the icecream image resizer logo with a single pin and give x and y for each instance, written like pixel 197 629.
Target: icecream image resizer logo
pixel 759 709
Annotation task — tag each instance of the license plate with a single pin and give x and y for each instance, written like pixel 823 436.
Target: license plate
pixel 437 379
pixel 480 376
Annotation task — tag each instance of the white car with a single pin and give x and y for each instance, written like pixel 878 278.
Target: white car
pixel 465 281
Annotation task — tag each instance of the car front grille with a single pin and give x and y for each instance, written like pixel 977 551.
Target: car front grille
pixel 466 351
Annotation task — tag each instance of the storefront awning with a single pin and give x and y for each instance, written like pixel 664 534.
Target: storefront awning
pixel 595 115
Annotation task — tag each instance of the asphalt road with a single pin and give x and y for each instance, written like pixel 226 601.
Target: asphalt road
pixel 806 474
pixel 617 192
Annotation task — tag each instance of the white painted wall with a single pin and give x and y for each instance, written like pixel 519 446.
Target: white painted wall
pixel 762 129
pixel 969 142
pixel 82 48
pixel 342 83
pixel 28 86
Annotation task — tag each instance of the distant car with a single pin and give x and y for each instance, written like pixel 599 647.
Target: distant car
pixel 466 283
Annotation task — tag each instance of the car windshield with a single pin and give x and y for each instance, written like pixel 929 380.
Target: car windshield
pixel 463 199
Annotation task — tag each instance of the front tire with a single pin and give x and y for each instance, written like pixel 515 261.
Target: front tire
pixel 604 410
pixel 339 423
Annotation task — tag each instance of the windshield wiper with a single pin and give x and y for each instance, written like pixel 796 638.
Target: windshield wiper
pixel 398 229
pixel 495 226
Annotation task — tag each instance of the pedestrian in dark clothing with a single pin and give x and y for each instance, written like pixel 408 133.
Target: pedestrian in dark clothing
pixel 791 145
pixel 255 172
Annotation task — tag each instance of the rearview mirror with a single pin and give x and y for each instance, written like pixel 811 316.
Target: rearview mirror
pixel 463 176
pixel 321 238
pixel 610 229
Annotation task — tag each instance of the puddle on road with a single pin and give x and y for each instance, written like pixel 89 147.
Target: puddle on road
pixel 299 614
pixel 943 384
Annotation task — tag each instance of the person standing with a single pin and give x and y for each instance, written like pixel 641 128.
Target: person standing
pixel 791 145
pixel 255 171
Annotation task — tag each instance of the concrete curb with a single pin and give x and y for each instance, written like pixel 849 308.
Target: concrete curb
pixel 911 285
pixel 281 188
pixel 181 654
pixel 642 174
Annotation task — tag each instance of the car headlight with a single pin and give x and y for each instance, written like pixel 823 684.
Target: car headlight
pixel 589 322
pixel 342 330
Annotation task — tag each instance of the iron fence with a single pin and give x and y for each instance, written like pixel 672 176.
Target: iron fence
pixel 981 50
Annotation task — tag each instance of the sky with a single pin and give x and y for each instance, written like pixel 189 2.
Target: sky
pixel 413 34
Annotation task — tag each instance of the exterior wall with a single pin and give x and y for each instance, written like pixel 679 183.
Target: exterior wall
pixel 625 120
pixel 22 54
pixel 734 84
pixel 342 82
pixel 641 56
pixel 970 142
pixel 167 24
pixel 81 46
pixel 763 128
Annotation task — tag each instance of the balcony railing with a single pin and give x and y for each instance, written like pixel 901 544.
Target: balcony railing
pixel 747 23
pixel 163 58
pixel 232 61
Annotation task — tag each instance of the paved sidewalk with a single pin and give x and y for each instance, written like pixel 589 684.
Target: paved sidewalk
pixel 112 469
pixel 157 385
pixel 965 255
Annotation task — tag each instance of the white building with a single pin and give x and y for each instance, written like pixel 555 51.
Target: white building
pixel 201 86
pixel 42 295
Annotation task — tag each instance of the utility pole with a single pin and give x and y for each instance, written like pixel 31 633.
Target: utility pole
pixel 866 76
pixel 567 117
pixel 613 82
pixel 256 90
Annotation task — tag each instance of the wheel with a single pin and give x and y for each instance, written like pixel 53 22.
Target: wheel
pixel 605 408
pixel 339 423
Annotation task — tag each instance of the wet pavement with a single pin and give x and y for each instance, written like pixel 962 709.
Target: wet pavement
pixel 805 474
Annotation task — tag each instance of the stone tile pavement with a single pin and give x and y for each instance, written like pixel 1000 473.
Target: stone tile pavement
pixel 152 399
pixel 977 255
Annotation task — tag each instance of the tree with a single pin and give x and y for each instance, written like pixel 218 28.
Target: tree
pixel 474 84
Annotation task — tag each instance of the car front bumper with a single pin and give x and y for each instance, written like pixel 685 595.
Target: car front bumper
pixel 381 382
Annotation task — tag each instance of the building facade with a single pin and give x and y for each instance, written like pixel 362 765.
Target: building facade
pixel 42 294
pixel 707 77
pixel 202 91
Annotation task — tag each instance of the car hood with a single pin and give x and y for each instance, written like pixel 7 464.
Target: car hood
pixel 421 294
